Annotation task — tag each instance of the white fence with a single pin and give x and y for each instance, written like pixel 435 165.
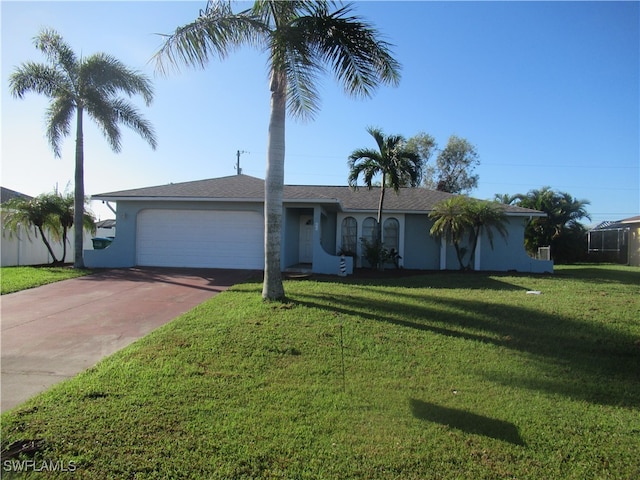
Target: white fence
pixel 18 250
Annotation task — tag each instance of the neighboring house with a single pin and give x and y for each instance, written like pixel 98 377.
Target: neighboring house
pixel 17 250
pixel 617 241
pixel 106 228
pixel 219 223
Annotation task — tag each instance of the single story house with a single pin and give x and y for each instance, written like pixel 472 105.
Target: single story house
pixel 219 223
pixel 617 241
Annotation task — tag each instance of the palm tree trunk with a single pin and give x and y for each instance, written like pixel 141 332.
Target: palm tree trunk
pixel 47 244
pixel 272 288
pixel 78 207
pixel 380 204
pixel 64 244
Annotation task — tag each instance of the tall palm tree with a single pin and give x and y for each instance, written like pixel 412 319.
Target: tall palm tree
pixel 302 38
pixel 90 84
pixel 398 166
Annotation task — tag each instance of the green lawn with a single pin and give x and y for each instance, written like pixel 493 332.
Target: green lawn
pixel 14 279
pixel 443 376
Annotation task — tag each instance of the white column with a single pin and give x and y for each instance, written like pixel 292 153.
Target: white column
pixel 443 254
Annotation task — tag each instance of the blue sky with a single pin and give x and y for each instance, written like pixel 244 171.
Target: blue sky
pixel 548 92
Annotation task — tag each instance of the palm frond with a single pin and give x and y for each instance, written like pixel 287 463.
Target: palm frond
pixel 57 51
pixel 37 78
pixel 100 109
pixel 352 48
pixel 110 76
pixel 215 33
pixel 290 53
pixel 58 119
pixel 128 115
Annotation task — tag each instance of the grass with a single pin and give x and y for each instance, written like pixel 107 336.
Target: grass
pixel 442 376
pixel 14 279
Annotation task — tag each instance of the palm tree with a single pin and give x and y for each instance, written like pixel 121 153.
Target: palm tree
pixel 90 84
pixel 301 39
pixel 505 198
pixel 50 214
pixel 398 165
pixel 485 216
pixel 64 213
pixel 460 216
pixel 563 215
pixel 26 213
pixel 452 222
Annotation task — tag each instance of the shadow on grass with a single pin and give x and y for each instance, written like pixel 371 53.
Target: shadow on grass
pixel 618 274
pixel 466 421
pixel 429 279
pixel 584 360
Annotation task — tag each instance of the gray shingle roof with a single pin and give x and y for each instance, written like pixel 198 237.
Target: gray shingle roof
pixel 7 194
pixel 247 188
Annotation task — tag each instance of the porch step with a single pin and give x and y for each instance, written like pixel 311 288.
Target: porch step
pixel 299 268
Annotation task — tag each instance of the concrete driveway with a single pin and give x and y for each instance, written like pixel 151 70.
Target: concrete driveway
pixel 53 332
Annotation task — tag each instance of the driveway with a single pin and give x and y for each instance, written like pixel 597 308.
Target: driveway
pixel 53 332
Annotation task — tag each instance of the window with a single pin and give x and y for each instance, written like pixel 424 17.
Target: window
pixel 391 234
pixel 349 235
pixel 369 231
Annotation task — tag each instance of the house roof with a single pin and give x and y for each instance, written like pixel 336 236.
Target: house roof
pixel 635 219
pixel 617 224
pixel 244 188
pixel 7 194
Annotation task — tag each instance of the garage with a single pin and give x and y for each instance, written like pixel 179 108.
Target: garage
pixel 200 238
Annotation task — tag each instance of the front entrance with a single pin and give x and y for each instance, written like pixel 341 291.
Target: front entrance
pixel 305 246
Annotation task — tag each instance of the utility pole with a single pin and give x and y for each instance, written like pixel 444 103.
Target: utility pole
pixel 238 169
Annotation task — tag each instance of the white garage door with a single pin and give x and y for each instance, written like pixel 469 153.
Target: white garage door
pixel 200 238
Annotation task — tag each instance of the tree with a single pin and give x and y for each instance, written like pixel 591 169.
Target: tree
pixel 454 167
pixel 459 217
pixel 73 85
pixel 64 215
pixel 505 198
pixel 302 39
pixel 49 214
pixel 563 215
pixel 397 165
pixel 424 145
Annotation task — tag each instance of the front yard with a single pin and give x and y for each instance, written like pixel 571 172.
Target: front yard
pixel 437 376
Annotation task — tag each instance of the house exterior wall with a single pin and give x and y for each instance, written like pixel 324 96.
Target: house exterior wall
pixel 510 254
pixel 323 261
pixel 506 255
pixel 421 250
pixel 417 248
pixel 122 251
pixel 291 234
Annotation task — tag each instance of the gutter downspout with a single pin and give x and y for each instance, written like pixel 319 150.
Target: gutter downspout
pixel 106 202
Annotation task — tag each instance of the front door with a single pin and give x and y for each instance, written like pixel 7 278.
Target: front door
pixel 306 239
